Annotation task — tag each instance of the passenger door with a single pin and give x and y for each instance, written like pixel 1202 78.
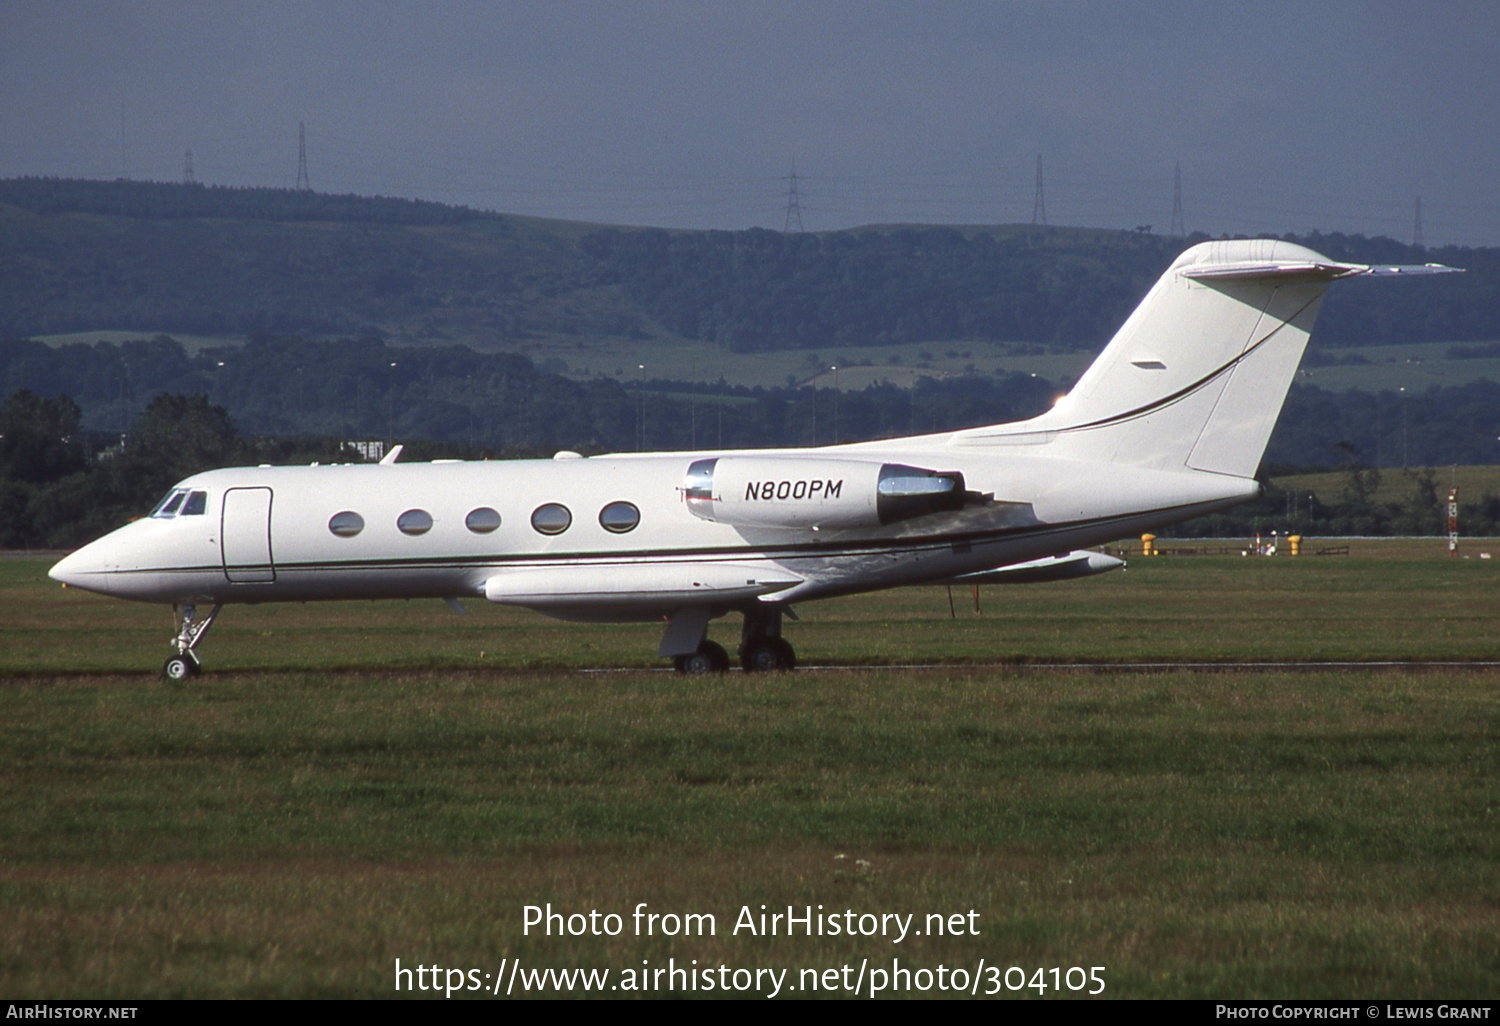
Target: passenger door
pixel 245 536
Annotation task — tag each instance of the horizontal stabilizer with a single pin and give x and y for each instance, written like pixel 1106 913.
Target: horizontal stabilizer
pixel 1409 269
pixel 1308 270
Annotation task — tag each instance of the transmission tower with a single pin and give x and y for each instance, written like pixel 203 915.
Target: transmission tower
pixel 1416 231
pixel 1039 205
pixel 1178 228
pixel 793 204
pixel 188 178
pixel 303 185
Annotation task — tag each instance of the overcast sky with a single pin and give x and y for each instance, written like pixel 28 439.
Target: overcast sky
pixel 1283 116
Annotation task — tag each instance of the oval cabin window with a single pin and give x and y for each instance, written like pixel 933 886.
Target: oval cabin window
pixel 346 524
pixel 414 521
pixel 619 517
pixel 553 518
pixel 482 520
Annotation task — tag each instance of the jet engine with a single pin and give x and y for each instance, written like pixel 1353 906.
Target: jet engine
pixel 815 492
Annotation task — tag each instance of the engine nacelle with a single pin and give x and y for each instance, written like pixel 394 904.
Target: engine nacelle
pixel 815 492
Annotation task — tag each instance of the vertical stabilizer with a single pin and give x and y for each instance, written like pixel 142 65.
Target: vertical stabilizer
pixel 1197 375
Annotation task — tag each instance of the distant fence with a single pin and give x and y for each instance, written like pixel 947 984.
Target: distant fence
pixel 1241 549
pixel 1221 547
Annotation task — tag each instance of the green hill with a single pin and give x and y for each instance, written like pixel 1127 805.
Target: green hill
pixel 192 260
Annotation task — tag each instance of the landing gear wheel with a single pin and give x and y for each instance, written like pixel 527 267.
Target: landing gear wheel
pixel 181 667
pixel 768 655
pixel 710 658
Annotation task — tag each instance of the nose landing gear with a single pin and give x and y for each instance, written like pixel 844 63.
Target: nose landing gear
pixel 185 663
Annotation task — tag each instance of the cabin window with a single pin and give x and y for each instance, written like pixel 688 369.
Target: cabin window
pixel 414 522
pixel 168 506
pixel 619 517
pixel 553 518
pixel 346 524
pixel 196 503
pixel 482 520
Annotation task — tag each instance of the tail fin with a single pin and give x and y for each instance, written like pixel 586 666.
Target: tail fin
pixel 1197 375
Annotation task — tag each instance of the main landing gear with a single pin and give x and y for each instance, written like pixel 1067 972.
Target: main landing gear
pixel 762 648
pixel 185 663
pixel 709 658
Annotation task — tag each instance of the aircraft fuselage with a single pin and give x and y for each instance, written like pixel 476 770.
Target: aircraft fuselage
pixel 446 529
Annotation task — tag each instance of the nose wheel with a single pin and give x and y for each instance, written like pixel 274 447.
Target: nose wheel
pixel 185 663
pixel 181 667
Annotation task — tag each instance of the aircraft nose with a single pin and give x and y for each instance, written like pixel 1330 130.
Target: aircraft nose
pixel 87 568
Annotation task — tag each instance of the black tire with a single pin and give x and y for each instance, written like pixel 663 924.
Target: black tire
pixel 768 655
pixel 716 654
pixel 180 667
pixel 710 658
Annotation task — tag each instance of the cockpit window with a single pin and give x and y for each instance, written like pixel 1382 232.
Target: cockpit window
pixel 196 503
pixel 168 506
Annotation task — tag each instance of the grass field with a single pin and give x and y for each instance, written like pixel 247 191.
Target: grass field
pixel 351 784
pixel 1398 484
pixel 1416 366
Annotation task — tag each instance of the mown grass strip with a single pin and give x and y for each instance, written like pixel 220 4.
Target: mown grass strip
pixel 1257 834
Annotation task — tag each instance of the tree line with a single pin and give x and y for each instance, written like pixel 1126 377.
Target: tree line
pixel 174 201
pixel 92 434
pixel 367 388
pixel 58 491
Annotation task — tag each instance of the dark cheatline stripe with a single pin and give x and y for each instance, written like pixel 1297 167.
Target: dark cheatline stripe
pixel 1185 391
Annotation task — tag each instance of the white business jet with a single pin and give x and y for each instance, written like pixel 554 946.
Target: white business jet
pixel 1170 422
